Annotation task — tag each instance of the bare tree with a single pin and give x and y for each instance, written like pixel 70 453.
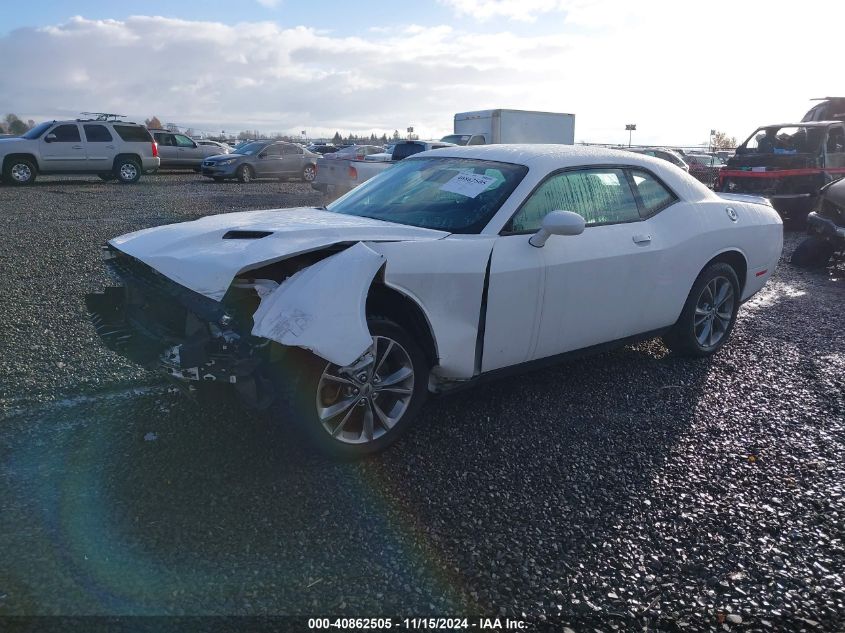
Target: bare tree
pixel 723 141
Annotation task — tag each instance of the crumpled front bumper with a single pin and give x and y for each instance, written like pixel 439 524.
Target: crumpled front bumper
pixel 159 325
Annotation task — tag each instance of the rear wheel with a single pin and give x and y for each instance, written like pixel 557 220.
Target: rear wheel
pixel 709 313
pixel 127 170
pixel 812 252
pixel 309 173
pixel 20 171
pixel 362 408
pixel 245 173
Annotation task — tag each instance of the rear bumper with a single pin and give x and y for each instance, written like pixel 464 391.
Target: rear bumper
pixel 150 163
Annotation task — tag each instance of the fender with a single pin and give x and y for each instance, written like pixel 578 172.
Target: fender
pixel 322 308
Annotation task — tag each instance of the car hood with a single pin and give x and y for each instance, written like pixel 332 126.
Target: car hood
pixel 218 157
pixel 196 255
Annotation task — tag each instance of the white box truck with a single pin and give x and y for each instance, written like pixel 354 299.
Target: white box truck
pixel 486 127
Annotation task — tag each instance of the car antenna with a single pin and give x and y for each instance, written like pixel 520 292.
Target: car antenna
pixel 104 116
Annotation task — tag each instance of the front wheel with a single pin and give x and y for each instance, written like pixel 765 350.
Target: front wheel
pixel 20 171
pixel 362 408
pixel 309 173
pixel 709 313
pixel 812 252
pixel 245 174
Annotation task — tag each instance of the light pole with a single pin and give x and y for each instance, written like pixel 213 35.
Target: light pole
pixel 630 127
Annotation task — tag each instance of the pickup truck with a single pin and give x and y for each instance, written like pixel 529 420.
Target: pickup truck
pixel 337 177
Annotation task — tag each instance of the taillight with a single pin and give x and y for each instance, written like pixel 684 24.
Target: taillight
pixel 155 149
pixel 353 173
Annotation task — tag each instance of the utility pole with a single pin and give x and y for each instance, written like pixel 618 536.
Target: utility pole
pixel 630 127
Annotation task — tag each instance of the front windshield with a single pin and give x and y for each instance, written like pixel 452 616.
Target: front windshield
pixel 458 195
pixel 787 139
pixel 248 149
pixel 37 131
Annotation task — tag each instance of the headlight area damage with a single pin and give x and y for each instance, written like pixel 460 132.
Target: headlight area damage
pixel 299 302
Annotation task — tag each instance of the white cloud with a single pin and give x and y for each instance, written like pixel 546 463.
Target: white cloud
pixel 668 73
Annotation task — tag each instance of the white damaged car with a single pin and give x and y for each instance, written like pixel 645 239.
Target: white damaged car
pixel 453 266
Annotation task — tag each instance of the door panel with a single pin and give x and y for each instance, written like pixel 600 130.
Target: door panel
pixel 67 152
pixel 269 163
pixel 188 152
pixel 167 150
pixel 598 287
pixel 99 146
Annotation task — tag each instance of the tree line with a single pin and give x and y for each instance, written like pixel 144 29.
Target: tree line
pixel 11 124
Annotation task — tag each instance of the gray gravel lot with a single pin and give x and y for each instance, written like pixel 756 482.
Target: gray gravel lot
pixel 633 490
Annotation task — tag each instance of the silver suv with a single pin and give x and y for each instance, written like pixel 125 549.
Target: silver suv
pixel 111 149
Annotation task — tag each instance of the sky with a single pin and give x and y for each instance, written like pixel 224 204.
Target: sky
pixel 675 69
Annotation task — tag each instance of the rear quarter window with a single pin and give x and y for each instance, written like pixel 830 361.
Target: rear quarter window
pixel 133 133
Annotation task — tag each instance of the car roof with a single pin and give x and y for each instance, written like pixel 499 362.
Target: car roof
pixel 547 158
pixel 802 124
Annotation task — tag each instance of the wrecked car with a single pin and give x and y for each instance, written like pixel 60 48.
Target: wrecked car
pixel 825 229
pixel 455 266
pixel 788 164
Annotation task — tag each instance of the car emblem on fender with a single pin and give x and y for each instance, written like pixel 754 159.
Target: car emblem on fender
pixel 731 214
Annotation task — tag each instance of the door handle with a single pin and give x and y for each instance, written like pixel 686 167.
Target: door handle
pixel 77 147
pixel 109 146
pixel 642 238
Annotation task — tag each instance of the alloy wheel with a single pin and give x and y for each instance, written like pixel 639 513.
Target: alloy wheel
pixel 362 402
pixel 714 312
pixel 128 171
pixel 21 172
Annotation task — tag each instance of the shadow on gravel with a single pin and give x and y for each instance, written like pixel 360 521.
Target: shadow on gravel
pixel 153 504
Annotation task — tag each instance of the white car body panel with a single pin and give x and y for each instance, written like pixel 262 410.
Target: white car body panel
pixel 323 307
pixel 195 255
pixel 608 283
pixel 447 281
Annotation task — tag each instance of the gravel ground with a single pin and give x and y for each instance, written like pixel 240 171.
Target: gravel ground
pixel 630 491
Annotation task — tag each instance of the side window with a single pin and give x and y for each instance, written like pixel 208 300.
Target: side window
pixel 183 141
pixel 272 150
pixel 287 150
pixel 97 134
pixel 476 140
pixel 836 140
pixel 134 134
pixel 600 196
pixel 162 138
pixel 66 133
pixel 653 194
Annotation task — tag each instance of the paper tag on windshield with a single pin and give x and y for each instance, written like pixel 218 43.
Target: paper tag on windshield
pixel 469 185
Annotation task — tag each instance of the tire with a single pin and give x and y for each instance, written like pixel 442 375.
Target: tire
pixel 309 173
pixel 20 172
pixel 106 177
pixel 705 325
pixel 127 170
pixel 812 252
pixel 344 434
pixel 245 173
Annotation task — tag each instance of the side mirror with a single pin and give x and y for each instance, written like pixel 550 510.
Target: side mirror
pixel 557 223
pixel 50 138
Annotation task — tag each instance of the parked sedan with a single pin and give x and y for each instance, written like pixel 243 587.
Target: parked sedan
pixel 705 167
pixel 450 268
pixel 262 159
